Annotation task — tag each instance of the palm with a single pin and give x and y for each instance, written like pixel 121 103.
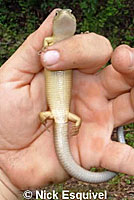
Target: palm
pixel 24 104
pixel 20 112
pixel 95 111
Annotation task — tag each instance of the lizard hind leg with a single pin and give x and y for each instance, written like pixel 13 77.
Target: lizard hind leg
pixel 44 116
pixel 74 118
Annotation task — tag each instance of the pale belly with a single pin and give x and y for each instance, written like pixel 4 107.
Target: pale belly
pixel 58 92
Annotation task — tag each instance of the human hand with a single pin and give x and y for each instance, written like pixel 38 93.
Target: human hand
pixel 27 150
pixel 96 98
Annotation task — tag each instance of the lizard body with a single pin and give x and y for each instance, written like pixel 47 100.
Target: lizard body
pixel 58 92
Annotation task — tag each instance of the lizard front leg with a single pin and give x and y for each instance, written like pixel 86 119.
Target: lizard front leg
pixel 74 118
pixel 48 41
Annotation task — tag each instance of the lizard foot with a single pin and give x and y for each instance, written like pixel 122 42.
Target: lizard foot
pixel 45 115
pixel 74 118
pixel 86 32
pixel 74 131
pixel 48 41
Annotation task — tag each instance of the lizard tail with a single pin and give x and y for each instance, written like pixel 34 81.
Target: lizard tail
pixel 66 159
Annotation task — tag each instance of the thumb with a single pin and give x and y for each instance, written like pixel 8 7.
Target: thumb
pixel 88 52
pixel 25 62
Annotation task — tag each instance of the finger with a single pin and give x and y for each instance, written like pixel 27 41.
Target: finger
pixel 92 140
pixel 25 61
pixel 123 109
pixel 112 82
pixel 118 77
pixel 123 62
pixel 88 52
pixel 118 157
pixel 37 92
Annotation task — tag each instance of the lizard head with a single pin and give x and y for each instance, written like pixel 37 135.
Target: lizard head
pixel 64 24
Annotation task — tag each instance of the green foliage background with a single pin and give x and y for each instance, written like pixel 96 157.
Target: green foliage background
pixel 111 18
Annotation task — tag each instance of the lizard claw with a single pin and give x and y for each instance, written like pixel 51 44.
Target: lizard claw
pixel 74 118
pixel 86 32
pixel 75 130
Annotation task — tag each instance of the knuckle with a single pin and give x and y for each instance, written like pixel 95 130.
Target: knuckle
pixel 108 46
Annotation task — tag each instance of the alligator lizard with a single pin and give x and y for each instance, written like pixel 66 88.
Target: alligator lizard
pixel 58 92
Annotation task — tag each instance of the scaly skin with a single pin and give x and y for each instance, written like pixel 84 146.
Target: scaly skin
pixel 58 92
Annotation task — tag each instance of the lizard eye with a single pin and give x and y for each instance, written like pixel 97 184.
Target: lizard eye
pixel 56 12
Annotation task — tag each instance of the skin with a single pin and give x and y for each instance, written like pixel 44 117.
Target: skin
pixel 26 148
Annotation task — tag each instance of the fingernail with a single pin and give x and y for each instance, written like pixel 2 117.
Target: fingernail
pixel 51 57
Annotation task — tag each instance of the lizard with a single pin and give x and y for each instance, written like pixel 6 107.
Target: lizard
pixel 58 86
